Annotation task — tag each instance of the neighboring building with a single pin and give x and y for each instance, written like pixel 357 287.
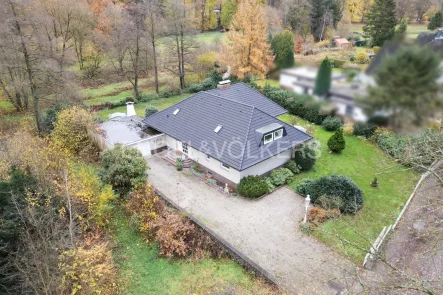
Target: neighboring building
pixel 343 43
pixel 231 132
pixel 295 79
pixel 129 130
pixel 341 94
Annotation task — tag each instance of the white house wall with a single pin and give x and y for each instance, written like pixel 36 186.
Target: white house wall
pixel 287 81
pixel 268 165
pixel 143 146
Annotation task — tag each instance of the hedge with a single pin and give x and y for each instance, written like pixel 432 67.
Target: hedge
pixel 334 186
pixel 252 187
pixel 364 129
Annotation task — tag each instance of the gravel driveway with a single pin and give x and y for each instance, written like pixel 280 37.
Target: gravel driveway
pixel 265 230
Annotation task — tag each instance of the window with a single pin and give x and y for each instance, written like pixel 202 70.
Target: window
pixel 268 138
pixel 278 134
pixel 176 111
pixel 225 166
pixel 218 128
pixel 185 148
pixel 208 157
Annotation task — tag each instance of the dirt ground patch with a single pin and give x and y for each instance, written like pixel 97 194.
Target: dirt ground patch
pixel 415 248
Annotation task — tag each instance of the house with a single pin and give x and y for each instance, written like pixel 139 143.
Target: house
pixel 231 132
pixel 128 129
pixel 341 94
pixel 343 43
pixel 295 79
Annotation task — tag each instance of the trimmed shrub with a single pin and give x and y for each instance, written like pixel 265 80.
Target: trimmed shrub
pixel 281 176
pixel 323 79
pixel 364 129
pixel 252 187
pixel 362 58
pixel 305 107
pixel 306 156
pixel 150 110
pixel 130 99
pixel 271 187
pixel 279 96
pixel 123 167
pixel 337 142
pixel 293 166
pixel 331 123
pixel 335 185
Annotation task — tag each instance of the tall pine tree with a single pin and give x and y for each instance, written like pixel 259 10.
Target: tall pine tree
pixel 381 21
pixel 324 14
pixel 246 49
pixel 324 75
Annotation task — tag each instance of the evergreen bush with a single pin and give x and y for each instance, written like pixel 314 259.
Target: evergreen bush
pixel 306 156
pixel 335 185
pixel 252 187
pixel 150 110
pixel 281 176
pixel 331 123
pixel 293 166
pixel 324 76
pixel 337 141
pixel 364 129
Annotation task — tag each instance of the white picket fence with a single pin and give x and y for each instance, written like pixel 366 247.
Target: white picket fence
pixel 387 229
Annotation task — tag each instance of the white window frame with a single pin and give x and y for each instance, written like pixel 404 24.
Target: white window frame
pixel 225 166
pixel 281 134
pixel 185 147
pixel 268 141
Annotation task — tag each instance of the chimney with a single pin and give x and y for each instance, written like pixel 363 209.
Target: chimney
pixel 224 84
pixel 130 110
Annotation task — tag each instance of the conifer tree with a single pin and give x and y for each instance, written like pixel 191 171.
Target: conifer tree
pixel 337 141
pixel 323 81
pixel 247 50
pixel 436 21
pixel 282 45
pixel 381 21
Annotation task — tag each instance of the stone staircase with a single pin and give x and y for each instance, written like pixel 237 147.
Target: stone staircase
pixel 172 156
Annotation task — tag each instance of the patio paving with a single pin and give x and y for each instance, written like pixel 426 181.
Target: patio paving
pixel 265 231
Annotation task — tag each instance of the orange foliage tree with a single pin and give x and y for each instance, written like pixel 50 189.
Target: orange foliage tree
pixel 298 45
pixel 247 49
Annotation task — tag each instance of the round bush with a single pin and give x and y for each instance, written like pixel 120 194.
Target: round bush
pixel 337 142
pixel 364 129
pixel 335 185
pixel 306 156
pixel 123 167
pixel 293 166
pixel 362 58
pixel 281 176
pixel 331 123
pixel 252 187
pixel 150 110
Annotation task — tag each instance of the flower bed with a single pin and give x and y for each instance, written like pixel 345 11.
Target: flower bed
pixel 211 181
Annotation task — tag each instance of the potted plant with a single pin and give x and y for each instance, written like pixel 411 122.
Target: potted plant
pixel 179 164
pixel 374 182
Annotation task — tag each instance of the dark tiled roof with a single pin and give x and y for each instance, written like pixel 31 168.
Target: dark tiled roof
pixel 236 143
pixel 242 93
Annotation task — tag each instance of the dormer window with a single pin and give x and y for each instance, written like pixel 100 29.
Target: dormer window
pixel 176 112
pixel 278 134
pixel 268 138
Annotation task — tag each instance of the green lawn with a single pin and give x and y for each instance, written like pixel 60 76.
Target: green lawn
pixel 210 37
pixel 160 104
pixel 412 32
pixel 360 161
pixel 273 83
pixel 143 272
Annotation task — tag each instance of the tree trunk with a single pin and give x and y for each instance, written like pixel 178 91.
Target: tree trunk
pixel 154 52
pixel 28 69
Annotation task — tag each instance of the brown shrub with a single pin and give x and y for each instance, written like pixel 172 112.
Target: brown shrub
pixel 318 215
pixel 146 208
pixel 174 234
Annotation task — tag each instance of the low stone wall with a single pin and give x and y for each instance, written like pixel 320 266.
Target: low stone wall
pixel 236 255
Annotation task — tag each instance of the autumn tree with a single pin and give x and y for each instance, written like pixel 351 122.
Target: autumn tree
pixel 381 21
pixel 298 45
pixel 179 44
pixel 247 49
pixel 129 47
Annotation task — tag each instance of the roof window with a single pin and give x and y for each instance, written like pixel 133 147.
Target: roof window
pixel 176 111
pixel 218 128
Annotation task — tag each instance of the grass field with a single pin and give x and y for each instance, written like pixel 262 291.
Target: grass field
pixel 360 161
pixel 143 272
pixel 412 32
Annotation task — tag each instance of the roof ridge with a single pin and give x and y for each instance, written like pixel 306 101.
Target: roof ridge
pixel 245 104
pixel 265 95
pixel 247 136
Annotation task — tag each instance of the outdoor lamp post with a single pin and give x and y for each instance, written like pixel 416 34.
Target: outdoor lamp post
pixel 307 202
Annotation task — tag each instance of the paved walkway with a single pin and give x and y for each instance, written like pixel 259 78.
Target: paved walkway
pixel 265 230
